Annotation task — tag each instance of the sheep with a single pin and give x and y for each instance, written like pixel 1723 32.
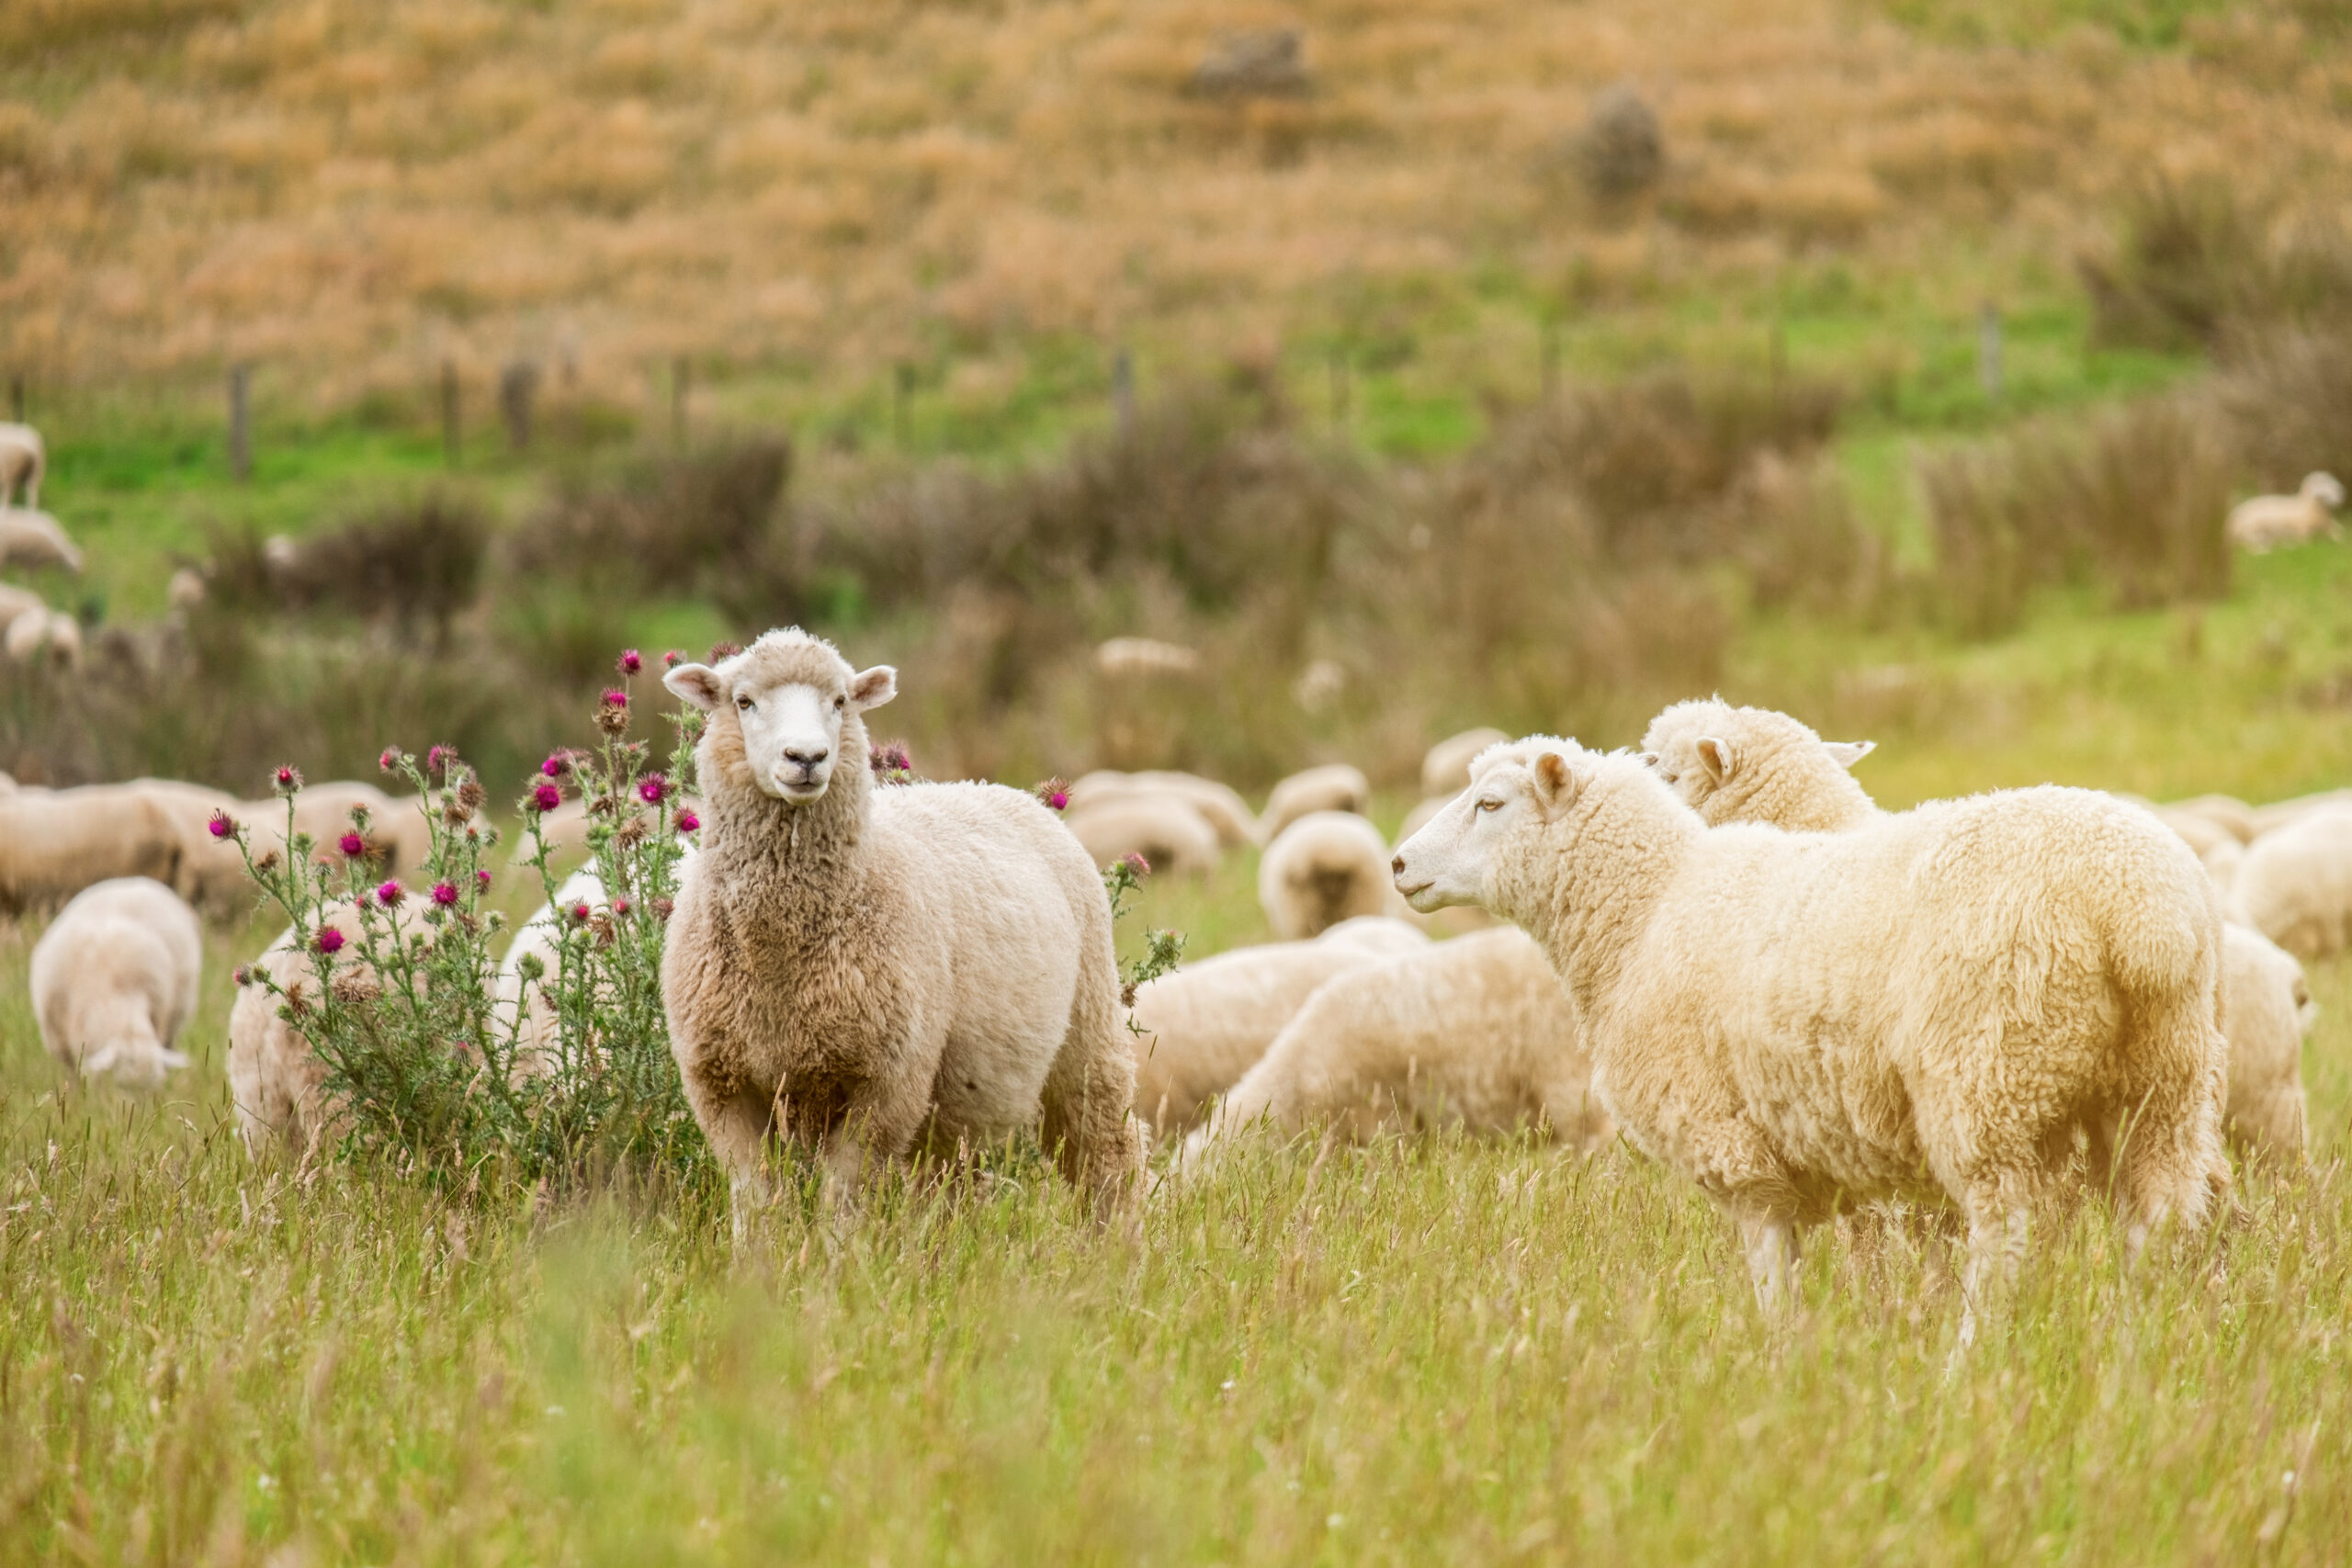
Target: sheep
pixel 1133 655
pixel 2268 820
pixel 1934 1001
pixel 1203 1025
pixel 1220 805
pixel 873 971
pixel 35 538
pixel 1337 787
pixel 2227 812
pixel 113 981
pixel 1474 1033
pixel 1780 771
pixel 47 635
pixel 53 843
pixel 1165 831
pixel 2265 521
pixel 523 1004
pixel 277 1079
pixel 1322 869
pixel 1446 769
pixel 16 602
pixel 23 461
pixel 2295 885
pixel 211 872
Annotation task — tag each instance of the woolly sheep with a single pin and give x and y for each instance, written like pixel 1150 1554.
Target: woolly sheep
pixel 1337 787
pixel 1322 869
pixel 1219 804
pixel 2265 521
pixel 2227 812
pixel 2295 886
pixel 1205 1024
pixel 1164 829
pixel 212 872
pixel 873 971
pixel 23 461
pixel 1446 769
pixel 276 1081
pixel 1122 656
pixel 35 538
pixel 1778 765
pixel 113 981
pixel 1474 1033
pixel 16 601
pixel 534 1038
pixel 2268 820
pixel 44 636
pixel 53 843
pixel 1935 1000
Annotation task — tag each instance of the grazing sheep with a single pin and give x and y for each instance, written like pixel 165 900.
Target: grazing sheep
pixel 16 602
pixel 2295 886
pixel 1324 868
pixel 53 843
pixel 1164 829
pixel 23 461
pixel 1221 805
pixel 114 980
pixel 2265 521
pixel 1203 1025
pixel 2227 812
pixel 1446 769
pixel 1337 787
pixel 1474 1033
pixel 1122 656
pixel 536 1037
pixel 44 636
pixel 276 1081
pixel 1938 1001
pixel 2199 833
pixel 1778 765
pixel 35 538
pixel 211 873
pixel 873 971
pixel 2268 820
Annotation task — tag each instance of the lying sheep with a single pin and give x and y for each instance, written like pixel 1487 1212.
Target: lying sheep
pixel 1325 867
pixel 43 636
pixel 2295 885
pixel 2265 521
pixel 1473 1034
pixel 53 843
pixel 1205 1024
pixel 1446 769
pixel 35 538
pixel 1932 1002
pixel 1219 804
pixel 23 461
pixel 876 971
pixel 1164 829
pixel 277 1080
pixel 1777 765
pixel 1337 787
pixel 1121 658
pixel 113 981
pixel 213 872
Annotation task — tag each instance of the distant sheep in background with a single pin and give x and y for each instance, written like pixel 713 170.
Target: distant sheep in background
pixel 2295 886
pixel 1164 829
pixel 1446 769
pixel 1337 787
pixel 113 981
pixel 277 1079
pixel 1220 805
pixel 2268 820
pixel 23 460
pixel 53 843
pixel 2267 1012
pixel 2265 521
pixel 1325 867
pixel 1129 656
pixel 34 538
pixel 47 636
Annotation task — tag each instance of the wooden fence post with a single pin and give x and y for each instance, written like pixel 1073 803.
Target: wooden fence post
pixel 1988 350
pixel 452 432
pixel 241 449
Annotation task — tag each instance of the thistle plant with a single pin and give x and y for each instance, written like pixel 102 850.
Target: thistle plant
pixel 1162 949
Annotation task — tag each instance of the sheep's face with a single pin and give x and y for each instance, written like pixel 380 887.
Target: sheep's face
pixel 1698 749
pixel 1513 792
pixel 790 709
pixel 133 1064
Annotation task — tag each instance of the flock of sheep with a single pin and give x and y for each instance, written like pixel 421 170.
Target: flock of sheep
pixel 1719 948
pixel 30 630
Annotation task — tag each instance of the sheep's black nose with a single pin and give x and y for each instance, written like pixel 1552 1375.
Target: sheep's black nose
pixel 807 758
pixel 1397 866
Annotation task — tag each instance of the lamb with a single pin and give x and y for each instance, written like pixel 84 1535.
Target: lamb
pixel 1768 765
pixel 1446 769
pixel 1219 804
pixel 277 1080
pixel 2265 521
pixel 1337 787
pixel 53 843
pixel 113 981
pixel 2295 885
pixel 1324 868
pixel 1205 1024
pixel 1164 829
pixel 1124 657
pixel 23 461
pixel 1934 1001
pixel 44 636
pixel 1475 1033
pixel 875 970
pixel 35 538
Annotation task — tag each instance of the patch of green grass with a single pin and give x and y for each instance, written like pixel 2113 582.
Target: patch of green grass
pixel 2150 24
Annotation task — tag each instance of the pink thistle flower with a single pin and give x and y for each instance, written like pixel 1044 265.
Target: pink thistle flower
pixel 631 661
pixel 720 650
pixel 1055 793
pixel 615 699
pixel 652 789
pixel 581 912
pixel 330 941
pixel 445 894
pixel 481 878
pixel 439 757
pixel 389 760
pixel 244 976
pixel 547 798
pixel 669 659
pixel 1135 861
pixel 688 822
pixel 221 825
pixel 352 845
pixel 390 893
pixel 287 779
pixel 557 764
pixel 620 906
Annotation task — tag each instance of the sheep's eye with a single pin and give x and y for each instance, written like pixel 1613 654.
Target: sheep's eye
pixel 840 703
pixel 1490 804
pixel 743 703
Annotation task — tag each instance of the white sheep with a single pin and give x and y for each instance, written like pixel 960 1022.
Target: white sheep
pixel 2268 820
pixel 1779 769
pixel 522 1004
pixel 277 1079
pixel 23 460
pixel 46 637
pixel 1335 787
pixel 211 873
pixel 1445 768
pixel 113 981
pixel 1205 1024
pixel 2227 812
pixel 1124 656
pixel 1938 1001
pixel 1165 830
pixel 2265 521
pixel 35 538
pixel 53 843
pixel 873 971
pixel 2295 885
pixel 1220 805
pixel 1474 1033
pixel 1325 867
pixel 16 601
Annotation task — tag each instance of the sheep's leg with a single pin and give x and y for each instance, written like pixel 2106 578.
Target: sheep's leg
pixel 1770 1241
pixel 2172 1164
pixel 1089 1119
pixel 736 1123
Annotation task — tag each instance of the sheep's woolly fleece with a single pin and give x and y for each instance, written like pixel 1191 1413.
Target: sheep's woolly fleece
pixel 1325 867
pixel 114 978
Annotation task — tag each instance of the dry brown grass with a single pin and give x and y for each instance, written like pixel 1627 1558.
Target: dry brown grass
pixel 362 188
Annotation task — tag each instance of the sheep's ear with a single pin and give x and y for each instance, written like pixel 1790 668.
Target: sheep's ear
pixel 695 683
pixel 872 688
pixel 1718 758
pixel 1846 753
pixel 101 1060
pixel 1648 759
pixel 1555 781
